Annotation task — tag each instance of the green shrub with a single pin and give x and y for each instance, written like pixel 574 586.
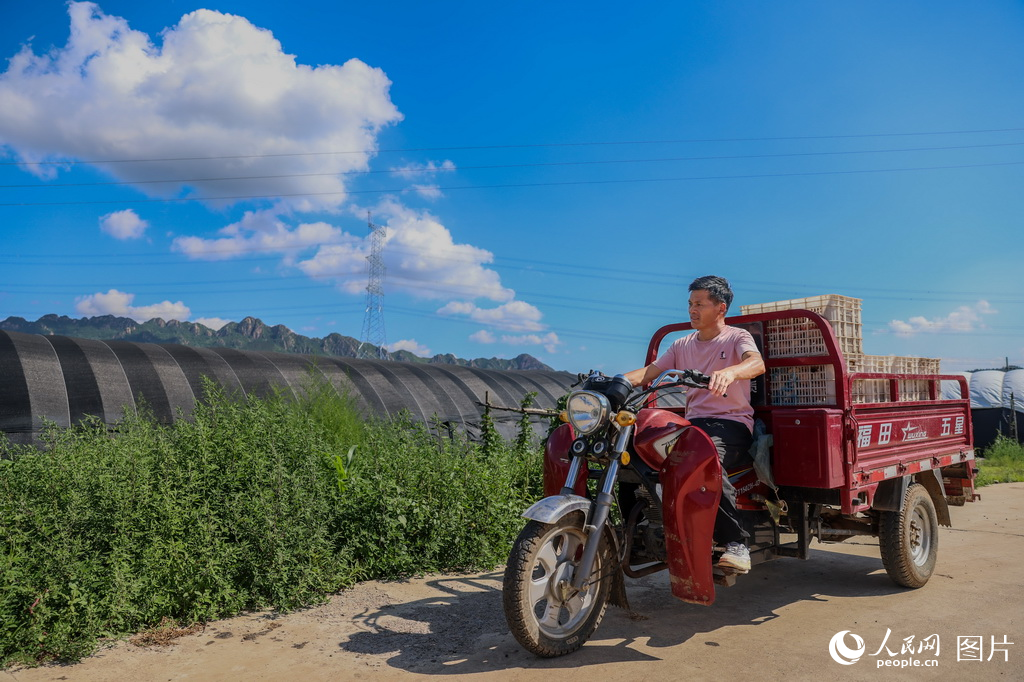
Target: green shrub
pixel 249 504
pixel 105 535
pixel 418 504
pixel 1002 462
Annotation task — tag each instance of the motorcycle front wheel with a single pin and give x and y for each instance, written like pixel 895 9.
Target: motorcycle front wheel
pixel 545 615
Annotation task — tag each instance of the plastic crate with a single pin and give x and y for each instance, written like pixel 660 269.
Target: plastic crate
pixel 830 306
pixel 803 385
pixel 912 365
pixel 870 391
pixel 879 364
pixel 877 390
pixel 914 389
pixel 793 337
pixel 800 336
pixel 892 364
pixel 904 365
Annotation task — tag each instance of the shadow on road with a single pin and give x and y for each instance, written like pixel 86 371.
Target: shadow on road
pixel 462 630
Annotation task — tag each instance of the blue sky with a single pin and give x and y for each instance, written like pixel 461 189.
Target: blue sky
pixel 551 176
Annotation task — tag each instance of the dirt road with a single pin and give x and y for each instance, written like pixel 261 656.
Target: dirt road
pixel 775 623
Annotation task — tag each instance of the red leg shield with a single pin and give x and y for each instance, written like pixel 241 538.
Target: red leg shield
pixel 691 482
pixel 557 460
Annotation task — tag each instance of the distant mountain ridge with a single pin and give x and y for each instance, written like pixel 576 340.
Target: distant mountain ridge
pixel 249 334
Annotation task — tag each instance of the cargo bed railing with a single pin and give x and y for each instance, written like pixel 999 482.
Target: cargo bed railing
pixel 801 354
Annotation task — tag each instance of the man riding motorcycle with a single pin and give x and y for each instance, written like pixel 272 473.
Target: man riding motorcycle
pixel 730 356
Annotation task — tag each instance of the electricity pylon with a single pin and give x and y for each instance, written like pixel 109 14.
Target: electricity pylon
pixel 374 339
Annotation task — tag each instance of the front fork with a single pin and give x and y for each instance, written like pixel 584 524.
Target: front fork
pixel 601 508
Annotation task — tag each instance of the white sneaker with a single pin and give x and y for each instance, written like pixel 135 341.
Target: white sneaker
pixel 736 558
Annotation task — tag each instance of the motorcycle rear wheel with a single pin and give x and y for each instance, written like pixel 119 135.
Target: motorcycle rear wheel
pixel 544 616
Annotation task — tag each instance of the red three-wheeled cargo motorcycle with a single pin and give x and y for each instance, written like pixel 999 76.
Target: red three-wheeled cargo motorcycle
pixel 841 449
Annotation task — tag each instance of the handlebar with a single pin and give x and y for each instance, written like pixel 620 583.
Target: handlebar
pixel 691 378
pixel 686 377
pixel 673 378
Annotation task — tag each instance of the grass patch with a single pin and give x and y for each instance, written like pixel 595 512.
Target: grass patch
pixel 253 504
pixel 1002 462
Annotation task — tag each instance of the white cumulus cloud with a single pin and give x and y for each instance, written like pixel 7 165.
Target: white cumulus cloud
pixel 421 258
pixel 516 316
pixel 419 170
pixel 216 90
pixel 213 323
pixel 119 303
pixel 411 345
pixel 422 172
pixel 431 192
pixel 483 336
pixel 259 231
pixel 344 263
pixel 966 318
pixel 124 224
pixel 549 341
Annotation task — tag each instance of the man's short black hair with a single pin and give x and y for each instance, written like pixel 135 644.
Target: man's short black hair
pixel 717 287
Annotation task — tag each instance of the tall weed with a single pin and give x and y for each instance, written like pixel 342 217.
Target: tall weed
pixel 249 504
pixel 418 504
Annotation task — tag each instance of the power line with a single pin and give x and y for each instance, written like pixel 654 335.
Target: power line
pixel 567 183
pixel 547 164
pixel 468 291
pixel 539 145
pixel 647 278
pixel 526 264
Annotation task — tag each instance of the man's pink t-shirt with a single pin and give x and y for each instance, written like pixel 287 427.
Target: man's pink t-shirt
pixel 725 350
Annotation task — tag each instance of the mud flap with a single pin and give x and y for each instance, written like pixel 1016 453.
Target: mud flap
pixel 617 595
pixel 691 480
pixel 932 482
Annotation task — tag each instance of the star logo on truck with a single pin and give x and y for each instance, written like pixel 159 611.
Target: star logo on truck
pixel 912 432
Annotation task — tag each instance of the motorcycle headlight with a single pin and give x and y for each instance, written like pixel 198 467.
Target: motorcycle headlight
pixel 588 411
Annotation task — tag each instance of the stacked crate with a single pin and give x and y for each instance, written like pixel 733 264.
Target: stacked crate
pixel 815 384
pixel 877 390
pixel 792 337
pixel 800 336
pixel 914 389
pixel 892 364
